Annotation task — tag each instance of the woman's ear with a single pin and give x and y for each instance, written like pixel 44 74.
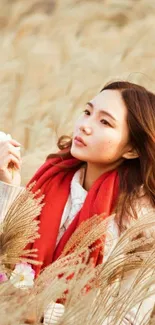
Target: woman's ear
pixel 130 154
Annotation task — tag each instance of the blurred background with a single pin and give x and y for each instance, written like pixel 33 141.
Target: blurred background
pixel 55 55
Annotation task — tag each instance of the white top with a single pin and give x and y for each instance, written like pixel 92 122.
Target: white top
pixel 74 203
pixel 8 193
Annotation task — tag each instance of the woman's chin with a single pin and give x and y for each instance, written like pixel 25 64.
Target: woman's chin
pixel 76 153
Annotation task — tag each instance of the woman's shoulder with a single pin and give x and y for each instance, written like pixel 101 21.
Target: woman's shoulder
pixel 143 207
pixel 140 206
pixel 143 203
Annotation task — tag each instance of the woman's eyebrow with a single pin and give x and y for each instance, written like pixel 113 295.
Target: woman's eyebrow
pixel 102 111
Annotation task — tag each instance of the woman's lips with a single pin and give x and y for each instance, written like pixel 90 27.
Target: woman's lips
pixel 79 142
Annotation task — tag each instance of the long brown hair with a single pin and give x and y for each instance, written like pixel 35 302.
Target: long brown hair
pixel 140 171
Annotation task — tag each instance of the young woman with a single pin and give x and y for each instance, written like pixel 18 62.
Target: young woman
pixel 108 166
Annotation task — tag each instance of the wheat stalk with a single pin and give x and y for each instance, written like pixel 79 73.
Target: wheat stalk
pixel 19 228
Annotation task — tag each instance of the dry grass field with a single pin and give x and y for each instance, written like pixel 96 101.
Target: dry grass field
pixel 56 54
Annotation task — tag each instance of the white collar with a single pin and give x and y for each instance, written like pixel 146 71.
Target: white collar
pixel 76 185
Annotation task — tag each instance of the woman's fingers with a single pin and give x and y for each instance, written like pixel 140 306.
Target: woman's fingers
pixel 13 150
pixel 9 153
pixel 12 159
pixel 15 143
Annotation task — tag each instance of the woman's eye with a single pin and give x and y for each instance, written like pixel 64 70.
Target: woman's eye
pixel 105 122
pixel 86 112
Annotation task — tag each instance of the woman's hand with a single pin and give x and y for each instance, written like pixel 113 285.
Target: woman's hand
pixel 10 162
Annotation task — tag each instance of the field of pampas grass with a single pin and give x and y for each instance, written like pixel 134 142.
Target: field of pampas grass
pixel 55 55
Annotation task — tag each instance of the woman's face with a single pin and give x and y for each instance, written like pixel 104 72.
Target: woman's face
pixel 103 128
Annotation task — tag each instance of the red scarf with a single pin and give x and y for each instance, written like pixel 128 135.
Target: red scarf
pixel 54 182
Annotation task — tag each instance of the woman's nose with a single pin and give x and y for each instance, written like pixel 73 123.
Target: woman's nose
pixel 86 129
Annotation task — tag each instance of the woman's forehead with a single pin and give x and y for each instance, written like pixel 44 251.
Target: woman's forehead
pixel 110 101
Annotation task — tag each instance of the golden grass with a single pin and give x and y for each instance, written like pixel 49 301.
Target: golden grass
pixel 125 280
pixel 55 55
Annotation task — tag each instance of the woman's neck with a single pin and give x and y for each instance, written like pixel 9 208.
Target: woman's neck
pixel 94 171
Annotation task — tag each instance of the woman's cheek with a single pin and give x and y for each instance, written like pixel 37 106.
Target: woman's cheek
pixel 107 149
pixel 104 145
